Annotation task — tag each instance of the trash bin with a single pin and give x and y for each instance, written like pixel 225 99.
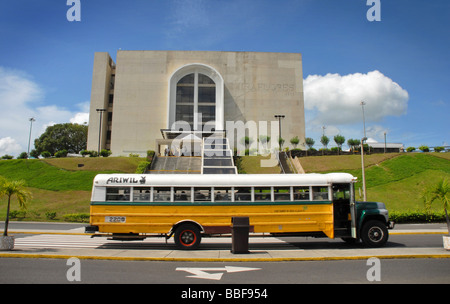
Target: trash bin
pixel 240 227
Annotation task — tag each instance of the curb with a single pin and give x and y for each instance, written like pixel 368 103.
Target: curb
pixel 50 256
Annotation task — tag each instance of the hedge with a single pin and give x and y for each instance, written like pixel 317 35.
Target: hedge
pixel 417 216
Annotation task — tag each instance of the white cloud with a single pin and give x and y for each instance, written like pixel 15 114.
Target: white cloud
pixel 334 99
pixel 20 99
pixel 80 118
pixel 8 146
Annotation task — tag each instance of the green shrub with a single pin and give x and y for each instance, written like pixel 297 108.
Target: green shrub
pixel 61 153
pixel 23 155
pixel 17 214
pixel 77 217
pixel 50 215
pixel 142 167
pixel 105 153
pixel 416 216
pixel 424 148
pixel 46 154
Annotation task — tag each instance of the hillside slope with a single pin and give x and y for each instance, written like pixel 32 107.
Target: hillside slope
pixel 64 185
pixel 61 185
pixel 397 181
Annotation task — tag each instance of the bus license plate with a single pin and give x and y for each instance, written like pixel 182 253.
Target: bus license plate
pixel 115 219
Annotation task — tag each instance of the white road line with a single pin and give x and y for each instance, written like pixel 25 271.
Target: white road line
pixel 81 241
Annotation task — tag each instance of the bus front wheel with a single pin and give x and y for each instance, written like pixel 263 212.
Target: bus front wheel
pixel 374 234
pixel 187 237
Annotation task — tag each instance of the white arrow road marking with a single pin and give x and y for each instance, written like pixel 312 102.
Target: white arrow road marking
pixel 200 273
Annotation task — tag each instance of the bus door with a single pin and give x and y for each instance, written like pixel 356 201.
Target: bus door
pixel 344 210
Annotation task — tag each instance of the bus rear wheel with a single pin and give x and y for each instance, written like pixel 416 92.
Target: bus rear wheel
pixel 187 237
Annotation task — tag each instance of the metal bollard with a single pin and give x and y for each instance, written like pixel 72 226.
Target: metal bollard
pixel 240 227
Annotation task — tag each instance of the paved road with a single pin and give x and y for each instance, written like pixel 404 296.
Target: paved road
pixel 55 271
pixel 283 260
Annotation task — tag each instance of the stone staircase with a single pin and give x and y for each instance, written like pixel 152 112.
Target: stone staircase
pixel 176 165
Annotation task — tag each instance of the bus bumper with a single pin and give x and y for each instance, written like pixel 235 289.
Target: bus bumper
pixel 390 225
pixel 91 229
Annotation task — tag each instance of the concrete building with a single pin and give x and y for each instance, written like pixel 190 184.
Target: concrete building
pixel 148 98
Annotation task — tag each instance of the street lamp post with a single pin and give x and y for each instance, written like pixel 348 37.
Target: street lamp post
pixel 363 170
pixel 279 117
pixel 29 138
pixel 364 118
pixel 100 129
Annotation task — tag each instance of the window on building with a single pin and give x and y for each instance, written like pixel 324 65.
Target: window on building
pixel 195 100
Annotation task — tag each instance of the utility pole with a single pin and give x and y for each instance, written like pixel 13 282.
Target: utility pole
pixel 29 138
pixel 363 169
pixel 279 117
pixel 100 129
pixel 364 118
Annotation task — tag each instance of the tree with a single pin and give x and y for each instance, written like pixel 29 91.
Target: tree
pixel 10 189
pixel 324 140
pixel 295 141
pixel 281 142
pixel 264 142
pixel 67 136
pixel 309 142
pixel 353 143
pixel 424 148
pixel 339 140
pixel 438 192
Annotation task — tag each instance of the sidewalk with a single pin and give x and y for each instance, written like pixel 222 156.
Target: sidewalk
pixel 218 249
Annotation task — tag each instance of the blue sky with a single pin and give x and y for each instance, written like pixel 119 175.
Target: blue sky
pixel 399 65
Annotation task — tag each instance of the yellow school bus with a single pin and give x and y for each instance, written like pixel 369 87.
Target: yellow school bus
pixel 189 207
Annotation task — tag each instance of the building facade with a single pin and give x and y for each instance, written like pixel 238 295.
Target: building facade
pixel 148 98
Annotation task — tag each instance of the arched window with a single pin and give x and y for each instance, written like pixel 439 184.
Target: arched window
pixel 196 98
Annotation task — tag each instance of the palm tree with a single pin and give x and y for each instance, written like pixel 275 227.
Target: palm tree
pixel 11 188
pixel 439 192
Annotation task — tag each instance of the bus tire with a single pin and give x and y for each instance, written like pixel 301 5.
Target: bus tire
pixel 374 234
pixel 187 237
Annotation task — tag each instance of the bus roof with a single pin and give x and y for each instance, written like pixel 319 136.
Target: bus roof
pixel 225 180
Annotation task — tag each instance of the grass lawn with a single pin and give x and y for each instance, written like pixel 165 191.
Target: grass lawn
pixel 399 180
pixel 64 185
pixel 60 185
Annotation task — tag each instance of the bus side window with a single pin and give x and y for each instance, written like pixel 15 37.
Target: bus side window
pixel 116 194
pixel 222 194
pixel 161 194
pixel 262 194
pixel 141 194
pixel 282 193
pixel 182 194
pixel 301 193
pixel 243 194
pixel 202 194
pixel 320 193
